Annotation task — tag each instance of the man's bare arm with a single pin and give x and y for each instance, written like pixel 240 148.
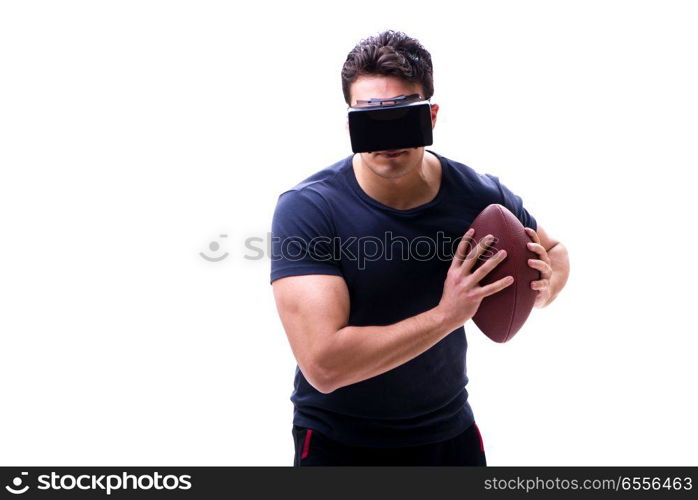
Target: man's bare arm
pixel 314 311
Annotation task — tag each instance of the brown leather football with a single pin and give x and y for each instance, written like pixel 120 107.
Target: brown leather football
pixel 503 313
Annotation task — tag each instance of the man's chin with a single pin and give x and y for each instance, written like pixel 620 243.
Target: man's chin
pixel 389 169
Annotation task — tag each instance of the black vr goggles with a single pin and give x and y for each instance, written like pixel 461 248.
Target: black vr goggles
pixel 399 122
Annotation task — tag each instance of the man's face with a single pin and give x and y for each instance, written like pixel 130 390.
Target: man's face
pixel 376 86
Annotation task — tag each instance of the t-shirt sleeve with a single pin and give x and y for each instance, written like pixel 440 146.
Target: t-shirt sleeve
pixel 302 237
pixel 514 203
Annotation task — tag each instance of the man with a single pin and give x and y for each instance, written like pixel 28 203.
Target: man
pixel 378 335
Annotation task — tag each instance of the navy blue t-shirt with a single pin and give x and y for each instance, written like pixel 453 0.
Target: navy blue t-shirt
pixel 394 263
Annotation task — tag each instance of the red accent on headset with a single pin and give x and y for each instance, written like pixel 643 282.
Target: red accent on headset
pixel 306 443
pixel 482 446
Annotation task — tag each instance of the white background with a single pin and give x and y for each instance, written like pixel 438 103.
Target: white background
pixel 132 134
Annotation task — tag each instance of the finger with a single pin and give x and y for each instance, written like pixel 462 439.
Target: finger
pixel 459 255
pixel 482 271
pixel 537 247
pixel 476 252
pixel 540 284
pixel 532 234
pixel 495 287
pixel 542 266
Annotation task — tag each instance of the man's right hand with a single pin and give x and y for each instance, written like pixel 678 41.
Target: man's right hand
pixel 462 294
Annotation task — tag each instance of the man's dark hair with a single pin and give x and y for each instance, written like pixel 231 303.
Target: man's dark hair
pixel 390 53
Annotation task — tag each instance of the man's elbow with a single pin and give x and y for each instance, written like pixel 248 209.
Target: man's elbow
pixel 320 372
pixel 322 379
pixel 320 366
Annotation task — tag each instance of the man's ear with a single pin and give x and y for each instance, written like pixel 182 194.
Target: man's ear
pixel 434 111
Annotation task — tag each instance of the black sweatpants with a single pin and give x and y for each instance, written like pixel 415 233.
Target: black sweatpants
pixel 314 448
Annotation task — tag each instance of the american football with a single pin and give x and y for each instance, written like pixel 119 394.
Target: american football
pixel 502 314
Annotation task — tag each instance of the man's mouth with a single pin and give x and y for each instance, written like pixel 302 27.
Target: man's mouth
pixel 392 153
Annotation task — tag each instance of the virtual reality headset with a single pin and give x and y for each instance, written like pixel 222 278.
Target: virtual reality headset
pixel 399 122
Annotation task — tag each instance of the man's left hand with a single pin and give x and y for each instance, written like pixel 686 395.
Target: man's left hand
pixel 543 265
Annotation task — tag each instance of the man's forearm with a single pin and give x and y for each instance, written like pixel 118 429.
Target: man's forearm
pixel 356 353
